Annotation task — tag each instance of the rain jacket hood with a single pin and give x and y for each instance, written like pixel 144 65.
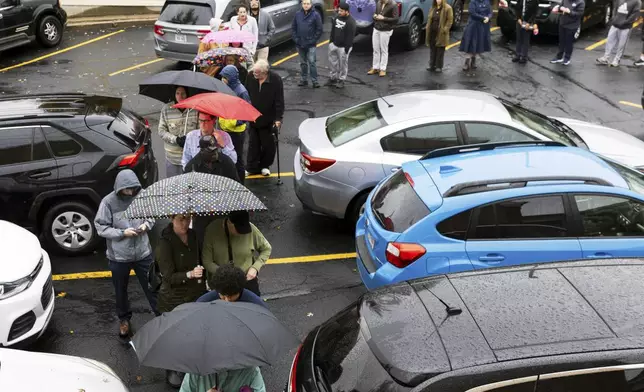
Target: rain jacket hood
pixel 111 224
pixel 231 73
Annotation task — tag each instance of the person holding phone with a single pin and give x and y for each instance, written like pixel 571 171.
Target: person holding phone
pixel 526 11
pixel 572 11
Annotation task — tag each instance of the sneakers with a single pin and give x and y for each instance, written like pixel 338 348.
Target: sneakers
pixel 372 71
pixel 124 328
pixel 557 60
pixel 340 84
pixel 316 85
pixel 614 64
pixel 246 173
pixel 516 59
pixel 602 61
pixel 566 62
pixel 523 60
pixel 438 70
pixel 266 172
pixel 639 62
pixel 331 82
pixel 303 83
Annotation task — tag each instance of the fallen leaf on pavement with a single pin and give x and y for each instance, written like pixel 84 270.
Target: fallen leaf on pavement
pixel 309 315
pixel 62 294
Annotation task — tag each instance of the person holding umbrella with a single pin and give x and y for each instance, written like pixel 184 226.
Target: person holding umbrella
pixel 242 240
pixel 173 127
pixel 206 127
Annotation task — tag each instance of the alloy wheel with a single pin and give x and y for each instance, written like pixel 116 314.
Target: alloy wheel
pixel 72 230
pixel 51 32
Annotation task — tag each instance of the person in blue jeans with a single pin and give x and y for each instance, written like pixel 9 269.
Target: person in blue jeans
pixel 306 31
pixel 128 246
pixel 229 282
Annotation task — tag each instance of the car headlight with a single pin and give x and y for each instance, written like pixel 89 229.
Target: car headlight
pixel 9 289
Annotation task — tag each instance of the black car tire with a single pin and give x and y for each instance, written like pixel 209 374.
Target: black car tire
pixel 79 211
pixel 457 9
pixel 356 209
pixel 50 31
pixel 413 33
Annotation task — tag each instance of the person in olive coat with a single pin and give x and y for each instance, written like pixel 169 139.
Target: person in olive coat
pixel 439 23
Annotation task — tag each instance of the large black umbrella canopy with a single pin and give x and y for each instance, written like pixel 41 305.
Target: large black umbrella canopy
pixel 205 338
pixel 162 86
pixel 193 193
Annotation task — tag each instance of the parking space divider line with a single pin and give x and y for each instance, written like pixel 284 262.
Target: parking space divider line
pixel 287 58
pixel 136 66
pixel 635 105
pixel 284 260
pixel 61 51
pixel 259 176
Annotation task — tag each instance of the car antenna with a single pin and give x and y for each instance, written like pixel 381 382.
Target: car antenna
pixel 383 98
pixel 451 311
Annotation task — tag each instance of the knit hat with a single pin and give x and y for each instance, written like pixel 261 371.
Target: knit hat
pixel 344 6
pixel 215 23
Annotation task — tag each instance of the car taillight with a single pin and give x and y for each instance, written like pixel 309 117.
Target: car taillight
pixel 147 123
pixel 158 30
pixel 292 376
pixel 402 254
pixel 313 164
pixel 132 159
pixel 408 177
pixel 399 9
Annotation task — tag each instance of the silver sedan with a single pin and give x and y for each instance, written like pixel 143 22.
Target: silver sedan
pixel 343 156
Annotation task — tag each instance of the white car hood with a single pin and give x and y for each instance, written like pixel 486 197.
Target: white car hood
pixel 20 252
pixel 618 145
pixel 28 371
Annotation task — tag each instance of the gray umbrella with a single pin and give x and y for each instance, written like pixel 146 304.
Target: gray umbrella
pixel 193 193
pixel 205 338
pixel 163 85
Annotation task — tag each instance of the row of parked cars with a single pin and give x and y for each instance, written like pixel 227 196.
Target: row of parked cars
pixel 556 205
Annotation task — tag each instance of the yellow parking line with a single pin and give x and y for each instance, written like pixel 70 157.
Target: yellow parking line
pixel 450 46
pixel 136 66
pixel 602 42
pixel 635 105
pixel 285 260
pixel 258 176
pixel 287 58
pixel 60 51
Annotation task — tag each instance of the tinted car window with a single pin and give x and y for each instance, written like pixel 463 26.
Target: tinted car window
pixel 631 380
pixel 422 139
pixel 536 217
pixel 456 226
pixel 40 150
pixel 493 133
pixel 15 145
pixel 633 178
pixel 61 143
pixel 396 205
pixel 609 216
pixel 128 129
pixel 353 123
pixel 186 14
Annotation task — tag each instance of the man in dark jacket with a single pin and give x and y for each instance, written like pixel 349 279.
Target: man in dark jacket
pixel 343 30
pixel 267 95
pixel 266 29
pixel 210 159
pixel 572 11
pixel 384 21
pixel 306 31
pixel 526 11
pixel 628 11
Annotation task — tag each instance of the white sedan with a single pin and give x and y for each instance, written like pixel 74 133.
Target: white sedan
pixel 26 289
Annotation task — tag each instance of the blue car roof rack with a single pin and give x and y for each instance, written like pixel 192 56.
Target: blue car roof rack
pixel 509 183
pixel 444 152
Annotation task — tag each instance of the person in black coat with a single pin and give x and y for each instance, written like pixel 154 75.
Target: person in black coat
pixel 572 12
pixel 526 12
pixel 212 160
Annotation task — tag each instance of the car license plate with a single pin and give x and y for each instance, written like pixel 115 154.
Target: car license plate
pixel 372 242
pixel 180 38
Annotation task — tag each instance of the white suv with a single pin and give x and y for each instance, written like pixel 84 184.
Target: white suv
pixel 26 289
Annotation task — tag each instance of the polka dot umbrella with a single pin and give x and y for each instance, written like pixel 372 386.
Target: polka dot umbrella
pixel 193 193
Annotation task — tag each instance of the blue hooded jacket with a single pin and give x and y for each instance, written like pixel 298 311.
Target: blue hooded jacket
pixel 231 74
pixel 306 29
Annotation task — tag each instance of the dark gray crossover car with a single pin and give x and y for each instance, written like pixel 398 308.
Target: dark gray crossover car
pixel 558 327
pixel 25 21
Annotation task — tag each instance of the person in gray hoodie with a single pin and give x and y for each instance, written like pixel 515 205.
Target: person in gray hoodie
pixel 266 29
pixel 628 11
pixel 128 246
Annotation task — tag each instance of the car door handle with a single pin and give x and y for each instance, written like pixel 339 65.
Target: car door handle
pixel 600 255
pixel 40 175
pixel 492 258
pixel 395 169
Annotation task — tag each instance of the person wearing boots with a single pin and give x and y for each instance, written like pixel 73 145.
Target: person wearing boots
pixel 439 24
pixel 384 21
pixel 343 31
pixel 526 11
pixel 476 37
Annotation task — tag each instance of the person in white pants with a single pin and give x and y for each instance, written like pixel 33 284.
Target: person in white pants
pixel 384 21
pixel 343 30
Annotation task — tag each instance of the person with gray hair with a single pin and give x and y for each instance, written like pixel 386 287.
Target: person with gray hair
pixel 266 92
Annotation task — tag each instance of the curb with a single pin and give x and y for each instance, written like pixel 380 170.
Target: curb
pixel 112 20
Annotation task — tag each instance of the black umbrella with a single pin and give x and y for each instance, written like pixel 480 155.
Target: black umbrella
pixel 205 338
pixel 162 86
pixel 193 193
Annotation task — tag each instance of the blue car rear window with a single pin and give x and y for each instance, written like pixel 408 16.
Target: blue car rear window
pixel 396 205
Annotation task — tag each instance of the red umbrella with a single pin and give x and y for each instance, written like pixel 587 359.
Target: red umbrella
pixel 220 105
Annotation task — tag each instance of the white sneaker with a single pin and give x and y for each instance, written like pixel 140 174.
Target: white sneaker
pixel 246 173
pixel 266 172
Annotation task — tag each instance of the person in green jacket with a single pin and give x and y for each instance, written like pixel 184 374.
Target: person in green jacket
pixel 242 380
pixel 243 239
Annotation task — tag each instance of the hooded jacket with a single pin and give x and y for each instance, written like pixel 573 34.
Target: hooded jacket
pixel 231 73
pixel 628 11
pixel 110 223
pixel 306 28
pixel 222 166
pixel 266 28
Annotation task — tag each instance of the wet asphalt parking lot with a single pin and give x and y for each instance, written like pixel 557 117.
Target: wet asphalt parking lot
pixel 312 273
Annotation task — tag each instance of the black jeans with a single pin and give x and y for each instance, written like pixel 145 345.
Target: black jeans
pixel 238 139
pixel 436 53
pixel 566 39
pixel 261 149
pixel 121 277
pixel 253 285
pixel 523 41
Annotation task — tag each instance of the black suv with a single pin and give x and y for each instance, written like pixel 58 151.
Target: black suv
pixel 24 21
pixel 59 156
pixel 556 327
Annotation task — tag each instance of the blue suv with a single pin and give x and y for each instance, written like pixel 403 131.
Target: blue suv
pixel 498 204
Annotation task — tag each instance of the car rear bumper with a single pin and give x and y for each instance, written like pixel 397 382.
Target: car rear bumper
pixel 26 315
pixel 372 273
pixel 175 56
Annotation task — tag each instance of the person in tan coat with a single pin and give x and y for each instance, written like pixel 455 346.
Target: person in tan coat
pixel 439 24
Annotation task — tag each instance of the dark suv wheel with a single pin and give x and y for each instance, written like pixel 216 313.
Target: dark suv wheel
pixel 68 228
pixel 457 9
pixel 50 31
pixel 413 33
